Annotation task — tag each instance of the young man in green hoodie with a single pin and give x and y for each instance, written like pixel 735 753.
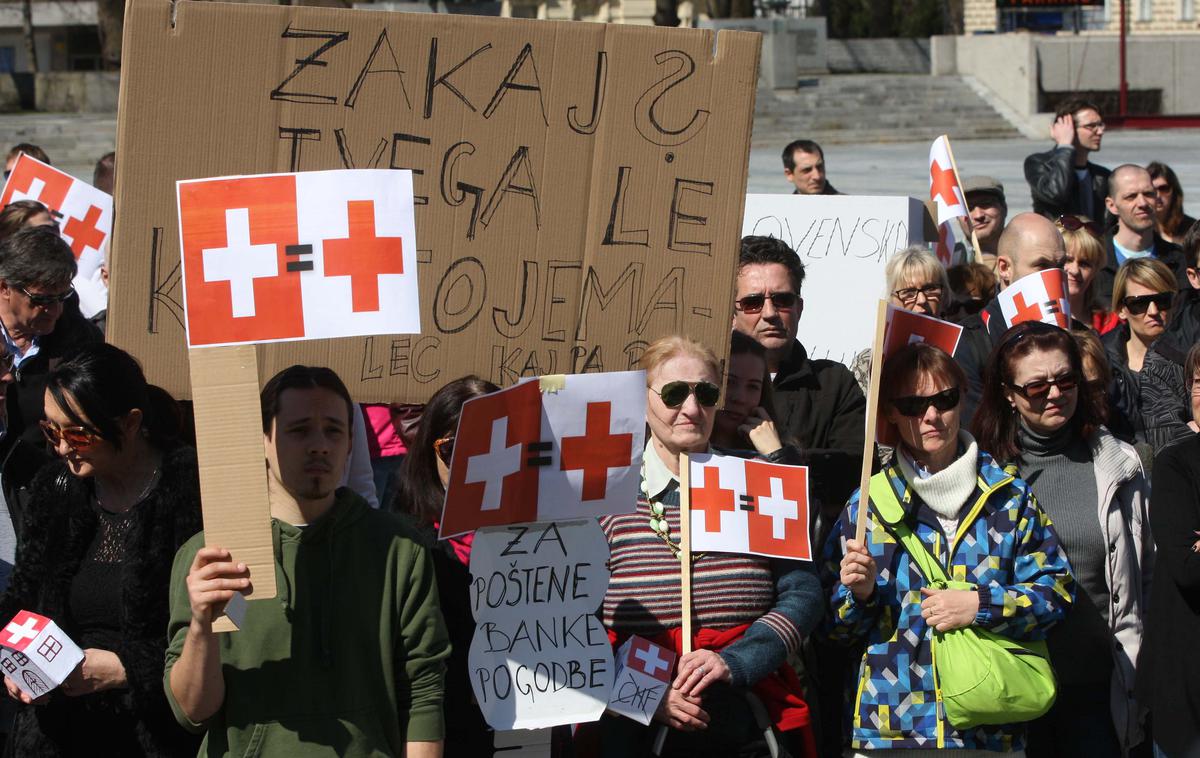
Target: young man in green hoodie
pixel 347 660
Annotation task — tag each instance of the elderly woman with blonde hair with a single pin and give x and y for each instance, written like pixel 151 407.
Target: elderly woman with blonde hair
pixel 750 613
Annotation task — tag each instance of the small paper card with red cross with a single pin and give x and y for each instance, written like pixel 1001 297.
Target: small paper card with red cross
pixel 83 213
pixel 555 448
pixel 1040 296
pixel 904 328
pixel 642 679
pixel 310 255
pixel 748 506
pixel 35 654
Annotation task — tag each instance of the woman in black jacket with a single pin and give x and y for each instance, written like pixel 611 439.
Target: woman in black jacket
pixel 94 554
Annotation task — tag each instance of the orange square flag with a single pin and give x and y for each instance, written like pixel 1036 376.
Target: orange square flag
pixel 748 506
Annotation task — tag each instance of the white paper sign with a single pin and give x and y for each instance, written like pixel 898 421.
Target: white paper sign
pixel 558 447
pixel 643 676
pixel 1040 296
pixel 540 656
pixel 37 656
pixel 844 243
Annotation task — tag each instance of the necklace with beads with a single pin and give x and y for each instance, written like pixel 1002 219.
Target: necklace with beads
pixel 658 521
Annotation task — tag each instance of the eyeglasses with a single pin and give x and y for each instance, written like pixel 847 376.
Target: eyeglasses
pixel 77 437
pixel 908 295
pixel 1041 387
pixel 914 406
pixel 1074 224
pixel 1139 304
pixel 46 300
pixel 1095 126
pixel 444 448
pixel 675 394
pixel 783 301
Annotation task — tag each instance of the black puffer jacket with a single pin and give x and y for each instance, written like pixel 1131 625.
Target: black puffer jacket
pixel 57 532
pixel 1055 188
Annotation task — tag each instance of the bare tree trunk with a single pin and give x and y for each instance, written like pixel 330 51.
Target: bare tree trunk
pixel 27 32
pixel 110 25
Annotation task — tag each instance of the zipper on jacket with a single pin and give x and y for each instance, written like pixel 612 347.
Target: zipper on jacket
pixel 937 694
pixel 971 515
pixel 862 685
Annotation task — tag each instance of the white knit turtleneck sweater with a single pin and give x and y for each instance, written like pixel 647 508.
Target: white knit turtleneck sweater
pixel 946 492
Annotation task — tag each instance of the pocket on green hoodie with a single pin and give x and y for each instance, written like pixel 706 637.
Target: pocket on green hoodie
pixel 352 734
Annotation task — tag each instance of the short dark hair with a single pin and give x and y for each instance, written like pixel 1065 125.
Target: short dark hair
pixel 1191 246
pixel 417 489
pixel 36 256
pixel 762 250
pixel 804 146
pixel 995 424
pixel 16 215
pixel 105 174
pixel 1073 105
pixel 106 383
pixel 33 151
pixel 301 378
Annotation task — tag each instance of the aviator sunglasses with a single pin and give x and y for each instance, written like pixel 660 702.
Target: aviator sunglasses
pixel 1139 304
pixel 782 301
pixel 675 394
pixel 1074 224
pixel 914 406
pixel 76 436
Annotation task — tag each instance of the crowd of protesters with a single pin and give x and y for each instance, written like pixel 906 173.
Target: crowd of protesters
pixel 1046 473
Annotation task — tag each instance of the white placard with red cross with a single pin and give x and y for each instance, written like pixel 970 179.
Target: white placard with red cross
pixel 36 655
pixel 311 255
pixel 904 328
pixel 83 213
pixel 555 448
pixel 643 676
pixel 748 506
pixel 1040 296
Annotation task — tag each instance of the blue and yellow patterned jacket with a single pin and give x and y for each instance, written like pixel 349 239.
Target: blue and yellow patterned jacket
pixel 1008 548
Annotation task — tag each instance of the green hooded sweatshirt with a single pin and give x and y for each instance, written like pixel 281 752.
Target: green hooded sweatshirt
pixel 346 660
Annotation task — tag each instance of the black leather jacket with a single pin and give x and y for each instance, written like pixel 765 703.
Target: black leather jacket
pixel 1055 188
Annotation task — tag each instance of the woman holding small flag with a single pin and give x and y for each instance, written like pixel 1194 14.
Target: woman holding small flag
pixel 750 612
pixel 1037 416
pixel 956 550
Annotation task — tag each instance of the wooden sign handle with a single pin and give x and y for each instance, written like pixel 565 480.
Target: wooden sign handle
pixel 864 479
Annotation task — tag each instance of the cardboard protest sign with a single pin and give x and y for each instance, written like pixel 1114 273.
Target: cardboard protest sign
pixel 298 256
pixel 37 656
pixel 83 213
pixel 845 243
pixel 540 656
pixel 579 187
pixel 642 678
pixel 557 448
pixel 749 506
pixel 1040 296
pixel 904 328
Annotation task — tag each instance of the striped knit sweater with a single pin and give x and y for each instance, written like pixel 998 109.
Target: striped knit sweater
pixel 781 600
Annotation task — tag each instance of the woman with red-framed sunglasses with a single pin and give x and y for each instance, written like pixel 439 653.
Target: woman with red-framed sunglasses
pixel 95 551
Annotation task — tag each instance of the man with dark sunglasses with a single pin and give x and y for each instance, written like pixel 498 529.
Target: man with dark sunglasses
pixel 40 320
pixel 819 403
pixel 1131 200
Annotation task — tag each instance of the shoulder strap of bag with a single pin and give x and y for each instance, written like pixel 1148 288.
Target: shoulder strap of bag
pixel 883 500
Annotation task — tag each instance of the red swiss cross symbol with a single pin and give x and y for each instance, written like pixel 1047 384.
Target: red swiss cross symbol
pixel 942 184
pixel 24 627
pixel 33 180
pixel 712 499
pixel 779 525
pixel 83 232
pixel 363 256
pixel 650 659
pixel 596 451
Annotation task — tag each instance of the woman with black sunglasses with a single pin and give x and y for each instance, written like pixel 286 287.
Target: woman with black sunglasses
pixel 418 489
pixel 1143 294
pixel 750 612
pixel 94 554
pixel 1036 416
pixel 979 521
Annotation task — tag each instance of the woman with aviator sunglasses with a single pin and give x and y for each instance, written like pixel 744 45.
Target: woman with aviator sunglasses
pixel 1036 415
pixel 983 525
pixel 418 489
pixel 95 555
pixel 750 612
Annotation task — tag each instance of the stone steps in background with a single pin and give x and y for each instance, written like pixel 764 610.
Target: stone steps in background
pixel 74 141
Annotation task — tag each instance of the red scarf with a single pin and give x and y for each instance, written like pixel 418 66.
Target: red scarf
pixel 780 692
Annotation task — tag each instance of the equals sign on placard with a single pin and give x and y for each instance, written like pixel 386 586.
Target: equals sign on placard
pixel 747 502
pixel 299 251
pixel 539 453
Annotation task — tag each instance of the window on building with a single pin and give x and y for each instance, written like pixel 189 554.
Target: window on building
pixel 1187 10
pixel 1145 10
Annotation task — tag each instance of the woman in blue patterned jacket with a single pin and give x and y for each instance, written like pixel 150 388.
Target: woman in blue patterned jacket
pixel 980 522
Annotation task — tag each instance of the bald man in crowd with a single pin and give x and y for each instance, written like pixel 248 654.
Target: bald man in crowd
pixel 1130 201
pixel 1028 244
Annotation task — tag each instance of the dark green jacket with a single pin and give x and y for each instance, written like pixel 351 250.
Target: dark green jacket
pixel 346 660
